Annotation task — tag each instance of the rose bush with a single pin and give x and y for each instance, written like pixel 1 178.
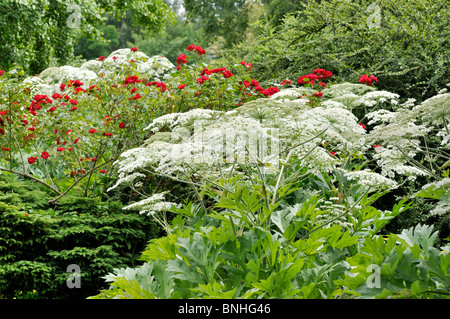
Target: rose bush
pixel 66 134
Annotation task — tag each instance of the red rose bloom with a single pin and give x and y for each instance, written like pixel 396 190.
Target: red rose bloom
pixel 32 160
pixel 318 94
pixel 190 47
pixel 121 125
pixel 60 149
pixel 199 50
pixel 181 86
pixel 202 79
pixel 101 58
pixel 364 79
pixel 93 130
pixel 103 171
pixel 75 83
pixel 134 49
pixel 182 59
pixel 136 97
pixel 45 155
pixel 76 141
pixel 132 79
pixel 162 87
pixel 227 74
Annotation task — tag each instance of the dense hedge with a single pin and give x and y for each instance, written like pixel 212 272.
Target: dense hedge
pixel 39 242
pixel 404 43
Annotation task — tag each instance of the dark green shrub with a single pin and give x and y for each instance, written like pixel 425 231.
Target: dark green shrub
pixel 39 242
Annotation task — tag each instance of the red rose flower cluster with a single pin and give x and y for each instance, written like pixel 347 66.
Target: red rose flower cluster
pixel 38 101
pixel 368 79
pixel 162 87
pixel 131 80
pixel 202 79
pixel 182 59
pixel 199 50
pixel 247 65
pixel 318 74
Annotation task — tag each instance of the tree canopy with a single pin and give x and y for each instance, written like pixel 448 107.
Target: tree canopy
pixel 33 30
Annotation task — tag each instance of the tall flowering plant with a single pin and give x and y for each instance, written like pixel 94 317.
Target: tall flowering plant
pixel 68 140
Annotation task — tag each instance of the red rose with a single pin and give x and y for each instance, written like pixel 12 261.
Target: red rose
pixel 364 79
pixel 182 59
pixel 227 74
pixel 101 58
pixel 190 47
pixel 181 86
pixel 31 160
pixel 107 134
pixel 318 94
pixel 122 125
pixel 75 83
pixel 103 171
pixel 199 50
pixel 131 79
pixel 60 149
pixel 134 49
pixel 93 130
pixel 202 79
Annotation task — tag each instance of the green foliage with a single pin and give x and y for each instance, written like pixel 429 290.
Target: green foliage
pixel 253 244
pixel 408 51
pixel 225 18
pixel 30 31
pixel 173 41
pixel 38 243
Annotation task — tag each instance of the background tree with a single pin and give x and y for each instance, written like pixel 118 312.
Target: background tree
pixel 32 31
pixel 225 18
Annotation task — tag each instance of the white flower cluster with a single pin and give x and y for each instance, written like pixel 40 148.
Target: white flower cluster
pixel 156 68
pixel 370 179
pixel 151 205
pixel 400 133
pixel 203 139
